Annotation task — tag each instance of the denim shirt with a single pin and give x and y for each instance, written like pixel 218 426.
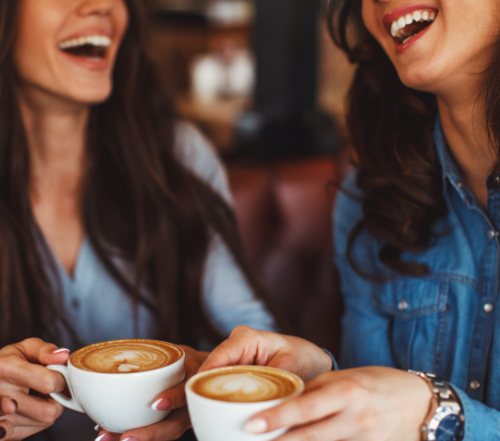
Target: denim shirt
pixel 447 322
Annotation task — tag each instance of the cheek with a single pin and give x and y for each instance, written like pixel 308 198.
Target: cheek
pixel 369 18
pixel 123 18
pixel 32 39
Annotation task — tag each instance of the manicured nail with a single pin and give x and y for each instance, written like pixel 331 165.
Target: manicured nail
pixel 104 437
pixel 256 426
pixel 97 428
pixel 3 432
pixel 60 351
pixel 161 404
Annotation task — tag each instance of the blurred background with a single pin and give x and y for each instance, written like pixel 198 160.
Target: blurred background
pixel 264 83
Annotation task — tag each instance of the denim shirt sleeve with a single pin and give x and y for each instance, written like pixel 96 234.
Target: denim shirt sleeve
pixel 482 423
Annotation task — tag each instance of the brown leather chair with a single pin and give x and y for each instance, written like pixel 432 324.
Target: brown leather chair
pixel 284 209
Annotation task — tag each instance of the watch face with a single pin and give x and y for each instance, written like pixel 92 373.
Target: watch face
pixel 449 428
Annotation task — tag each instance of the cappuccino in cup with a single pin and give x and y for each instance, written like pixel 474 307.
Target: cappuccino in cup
pixel 125 356
pixel 116 382
pixel 222 400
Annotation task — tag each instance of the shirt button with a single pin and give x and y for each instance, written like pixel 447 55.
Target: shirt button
pixel 488 308
pixel 460 184
pixel 403 305
pixel 492 234
pixel 495 181
pixel 75 303
pixel 474 385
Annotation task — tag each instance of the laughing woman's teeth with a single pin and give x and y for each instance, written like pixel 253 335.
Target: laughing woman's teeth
pixel 93 40
pixel 410 24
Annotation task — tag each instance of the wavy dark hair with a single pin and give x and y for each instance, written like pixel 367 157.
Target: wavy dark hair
pixel 138 201
pixel 391 128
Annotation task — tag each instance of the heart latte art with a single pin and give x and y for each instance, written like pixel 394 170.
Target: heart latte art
pixel 126 356
pixel 246 384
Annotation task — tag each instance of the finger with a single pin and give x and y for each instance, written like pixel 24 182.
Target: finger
pixel 6 430
pixel 175 398
pixel 312 405
pixel 19 372
pixel 244 346
pixel 106 436
pixel 8 406
pixel 43 410
pixel 171 428
pixel 38 351
pixel 331 429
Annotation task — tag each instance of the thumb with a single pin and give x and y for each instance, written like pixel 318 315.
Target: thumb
pixel 242 347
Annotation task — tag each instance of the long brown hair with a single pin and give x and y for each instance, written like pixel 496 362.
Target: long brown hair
pixel 391 128
pixel 139 202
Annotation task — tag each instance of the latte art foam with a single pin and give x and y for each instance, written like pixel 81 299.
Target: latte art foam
pixel 245 385
pixel 125 356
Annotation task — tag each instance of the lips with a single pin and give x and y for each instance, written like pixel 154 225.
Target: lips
pixel 89 48
pixel 407 24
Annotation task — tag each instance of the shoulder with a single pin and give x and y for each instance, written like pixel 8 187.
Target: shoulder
pixel 198 155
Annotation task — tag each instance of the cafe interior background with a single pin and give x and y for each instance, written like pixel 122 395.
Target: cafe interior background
pixel 262 80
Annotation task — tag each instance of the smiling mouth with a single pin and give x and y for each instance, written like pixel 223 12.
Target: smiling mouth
pixel 410 25
pixel 90 46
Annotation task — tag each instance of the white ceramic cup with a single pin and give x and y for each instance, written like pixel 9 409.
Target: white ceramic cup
pixel 118 402
pixel 215 420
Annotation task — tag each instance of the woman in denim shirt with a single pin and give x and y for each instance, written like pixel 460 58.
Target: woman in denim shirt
pixel 416 236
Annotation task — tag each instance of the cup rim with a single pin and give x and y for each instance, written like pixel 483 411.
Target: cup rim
pixel 180 360
pixel 194 378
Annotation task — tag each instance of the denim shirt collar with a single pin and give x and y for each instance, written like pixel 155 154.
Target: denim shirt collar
pixel 450 171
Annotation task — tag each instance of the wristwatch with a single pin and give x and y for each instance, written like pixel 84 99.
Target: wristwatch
pixel 446 423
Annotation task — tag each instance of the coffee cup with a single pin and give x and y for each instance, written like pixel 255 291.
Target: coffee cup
pixel 221 401
pixel 115 382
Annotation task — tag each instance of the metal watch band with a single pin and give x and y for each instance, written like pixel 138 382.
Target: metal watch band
pixel 448 404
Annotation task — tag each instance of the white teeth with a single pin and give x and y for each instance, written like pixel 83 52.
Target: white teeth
pixel 408 19
pixel 94 40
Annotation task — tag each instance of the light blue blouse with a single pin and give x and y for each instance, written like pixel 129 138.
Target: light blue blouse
pixel 99 310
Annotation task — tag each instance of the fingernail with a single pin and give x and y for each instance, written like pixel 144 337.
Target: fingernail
pixel 3 432
pixel 97 428
pixel 60 351
pixel 14 402
pixel 161 404
pixel 104 437
pixel 131 438
pixel 256 426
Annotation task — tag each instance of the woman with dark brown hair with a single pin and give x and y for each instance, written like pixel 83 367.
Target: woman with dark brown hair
pixel 416 236
pixel 114 218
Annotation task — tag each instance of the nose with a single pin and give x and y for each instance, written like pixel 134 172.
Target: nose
pixel 97 7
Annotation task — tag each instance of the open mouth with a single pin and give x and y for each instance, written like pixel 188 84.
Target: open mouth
pixel 90 46
pixel 410 25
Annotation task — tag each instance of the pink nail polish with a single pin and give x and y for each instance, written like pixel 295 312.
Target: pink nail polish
pixel 105 437
pixel 60 351
pixel 256 426
pixel 162 404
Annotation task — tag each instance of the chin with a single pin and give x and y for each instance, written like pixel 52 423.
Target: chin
pixel 92 97
pixel 423 80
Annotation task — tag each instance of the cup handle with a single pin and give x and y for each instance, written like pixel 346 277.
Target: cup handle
pixel 71 402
